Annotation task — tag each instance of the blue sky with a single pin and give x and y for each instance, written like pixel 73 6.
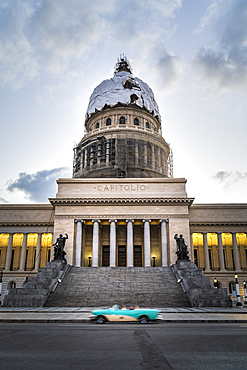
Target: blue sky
pixel 193 54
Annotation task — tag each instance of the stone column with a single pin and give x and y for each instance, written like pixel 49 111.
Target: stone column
pixel 153 157
pixel 130 246
pixel 23 252
pixel 113 244
pixel 164 245
pixel 145 155
pixel 136 154
pixel 85 159
pixel 205 248
pixel 9 252
pixel 107 152
pixel 191 247
pixel 95 261
pixel 78 240
pixel 147 249
pixel 38 252
pixel 159 160
pixel 221 252
pixel 52 248
pixel 235 253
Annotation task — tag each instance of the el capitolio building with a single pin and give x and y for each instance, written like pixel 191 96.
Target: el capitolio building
pixel 121 211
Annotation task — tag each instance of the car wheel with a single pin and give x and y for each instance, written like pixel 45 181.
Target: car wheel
pixel 143 319
pixel 100 320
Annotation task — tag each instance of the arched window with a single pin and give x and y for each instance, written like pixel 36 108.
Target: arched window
pixel 108 122
pixel 136 121
pixel 97 125
pixel 147 125
pixel 122 121
pixel 12 285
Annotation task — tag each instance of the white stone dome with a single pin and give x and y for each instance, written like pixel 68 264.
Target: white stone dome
pixel 125 89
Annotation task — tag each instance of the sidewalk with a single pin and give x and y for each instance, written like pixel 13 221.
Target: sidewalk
pixel 80 314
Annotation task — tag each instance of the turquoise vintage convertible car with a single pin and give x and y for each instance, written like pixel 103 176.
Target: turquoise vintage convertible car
pixel 122 314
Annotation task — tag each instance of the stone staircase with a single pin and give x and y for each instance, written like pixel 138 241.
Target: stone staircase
pixel 105 286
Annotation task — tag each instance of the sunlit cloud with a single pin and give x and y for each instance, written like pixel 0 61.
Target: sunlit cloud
pixel 48 36
pixel 229 178
pixel 222 64
pixel 38 186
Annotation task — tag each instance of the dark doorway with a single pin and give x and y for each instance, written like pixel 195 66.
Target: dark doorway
pixel 106 256
pixel 121 256
pixel 137 256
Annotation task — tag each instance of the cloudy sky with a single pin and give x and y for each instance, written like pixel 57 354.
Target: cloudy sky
pixel 193 54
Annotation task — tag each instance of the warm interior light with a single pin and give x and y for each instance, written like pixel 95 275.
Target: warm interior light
pixel 236 276
pixel 154 257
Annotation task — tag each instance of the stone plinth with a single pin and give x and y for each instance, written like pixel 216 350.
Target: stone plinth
pixel 38 288
pixel 199 289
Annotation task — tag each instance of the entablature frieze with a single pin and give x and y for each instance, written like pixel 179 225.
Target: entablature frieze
pixel 127 201
pixel 218 227
pixel 26 224
pixel 123 217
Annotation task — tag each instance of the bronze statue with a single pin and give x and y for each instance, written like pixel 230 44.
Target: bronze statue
pixel 182 251
pixel 59 252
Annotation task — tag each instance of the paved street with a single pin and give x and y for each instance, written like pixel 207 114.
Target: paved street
pixel 123 346
pixel 80 314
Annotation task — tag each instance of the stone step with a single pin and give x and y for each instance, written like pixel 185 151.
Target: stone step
pixel 146 287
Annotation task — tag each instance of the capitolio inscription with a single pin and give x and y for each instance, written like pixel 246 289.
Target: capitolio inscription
pixel 121 187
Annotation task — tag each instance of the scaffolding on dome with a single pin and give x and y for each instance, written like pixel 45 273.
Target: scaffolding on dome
pixel 122 65
pixel 170 163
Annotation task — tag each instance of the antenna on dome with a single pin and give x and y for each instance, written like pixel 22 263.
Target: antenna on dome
pixel 122 65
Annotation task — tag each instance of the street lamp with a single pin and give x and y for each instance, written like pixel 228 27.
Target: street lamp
pixel 237 291
pixel 215 283
pixel 89 261
pixel 153 258
pixel 245 293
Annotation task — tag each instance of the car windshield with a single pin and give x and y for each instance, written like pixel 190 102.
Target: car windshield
pixel 115 307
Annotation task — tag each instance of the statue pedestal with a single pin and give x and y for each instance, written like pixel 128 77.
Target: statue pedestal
pixel 199 289
pixel 37 289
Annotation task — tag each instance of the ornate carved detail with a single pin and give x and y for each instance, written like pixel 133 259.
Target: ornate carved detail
pixel 238 223
pixel 89 201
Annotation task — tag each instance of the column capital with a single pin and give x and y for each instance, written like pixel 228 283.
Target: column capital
pixel 95 221
pixel 129 221
pixel 146 221
pixel 112 221
pixel 166 220
pixel 78 220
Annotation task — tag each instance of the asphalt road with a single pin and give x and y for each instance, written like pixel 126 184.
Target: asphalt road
pixel 123 346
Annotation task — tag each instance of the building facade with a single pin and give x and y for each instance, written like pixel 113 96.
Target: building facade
pixel 123 207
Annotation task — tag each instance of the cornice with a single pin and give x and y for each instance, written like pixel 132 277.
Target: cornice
pixel 197 206
pixel 93 201
pixel 220 223
pixel 25 224
pixel 128 180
